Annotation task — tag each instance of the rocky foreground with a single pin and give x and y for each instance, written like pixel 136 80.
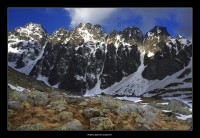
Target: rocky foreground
pixel 36 110
pixel 37 106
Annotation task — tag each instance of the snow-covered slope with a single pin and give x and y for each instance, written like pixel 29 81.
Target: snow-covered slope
pixel 26 46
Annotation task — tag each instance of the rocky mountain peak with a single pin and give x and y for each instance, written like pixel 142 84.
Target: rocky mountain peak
pixel 179 37
pixel 59 36
pixel 25 45
pixel 158 31
pixel 86 59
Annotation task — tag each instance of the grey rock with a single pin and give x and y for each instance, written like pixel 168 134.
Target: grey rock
pixel 58 105
pixel 148 112
pixel 33 127
pixel 145 127
pixel 66 115
pixel 40 98
pixel 91 113
pixel 178 106
pixel 107 102
pixel 189 121
pixel 84 103
pixel 101 123
pixel 72 125
pixel 73 99
pixel 15 105
pixel 11 113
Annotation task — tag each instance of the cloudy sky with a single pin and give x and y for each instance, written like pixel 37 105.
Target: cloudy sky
pixel 177 20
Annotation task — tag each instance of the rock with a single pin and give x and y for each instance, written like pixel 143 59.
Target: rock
pixel 72 125
pixel 109 103
pixel 140 120
pixel 101 123
pixel 40 98
pixel 189 121
pixel 126 110
pixel 105 112
pixel 11 113
pixel 91 113
pixel 27 98
pixel 37 126
pixel 23 96
pixel 66 115
pixel 148 112
pixel 178 107
pixel 84 103
pixel 58 105
pixel 73 99
pixel 169 114
pixel 54 119
pixel 15 105
pixel 145 127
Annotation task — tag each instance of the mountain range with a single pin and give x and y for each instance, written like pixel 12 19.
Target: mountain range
pixel 87 61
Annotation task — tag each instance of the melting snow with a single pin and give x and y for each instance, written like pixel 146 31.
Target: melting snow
pixel 183 117
pixel 166 110
pixel 44 79
pixel 165 103
pixel 17 88
pixel 133 99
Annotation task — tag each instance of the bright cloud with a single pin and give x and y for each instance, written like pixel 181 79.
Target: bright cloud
pixel 92 15
pixel 144 18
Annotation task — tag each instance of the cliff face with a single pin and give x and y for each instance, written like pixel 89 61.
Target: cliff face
pixel 87 60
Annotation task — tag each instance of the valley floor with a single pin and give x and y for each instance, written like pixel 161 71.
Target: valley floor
pixel 34 106
pixel 63 112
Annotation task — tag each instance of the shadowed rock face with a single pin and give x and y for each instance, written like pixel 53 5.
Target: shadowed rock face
pixel 170 55
pixel 80 59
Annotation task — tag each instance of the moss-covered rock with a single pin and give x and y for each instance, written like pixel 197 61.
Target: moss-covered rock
pixel 66 115
pixel 58 105
pixel 15 105
pixel 37 126
pixel 40 98
pixel 11 113
pixel 178 106
pixel 84 103
pixel 72 125
pixel 91 113
pixel 101 123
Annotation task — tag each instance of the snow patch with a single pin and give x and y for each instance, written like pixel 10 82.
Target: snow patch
pixel 17 88
pixel 44 79
pixel 183 117
pixel 133 99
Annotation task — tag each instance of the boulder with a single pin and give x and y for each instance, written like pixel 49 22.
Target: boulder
pixel 109 103
pixel 15 105
pixel 58 105
pixel 91 113
pixel 66 115
pixel 84 103
pixel 101 123
pixel 11 113
pixel 178 106
pixel 147 112
pixel 37 126
pixel 72 125
pixel 40 98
